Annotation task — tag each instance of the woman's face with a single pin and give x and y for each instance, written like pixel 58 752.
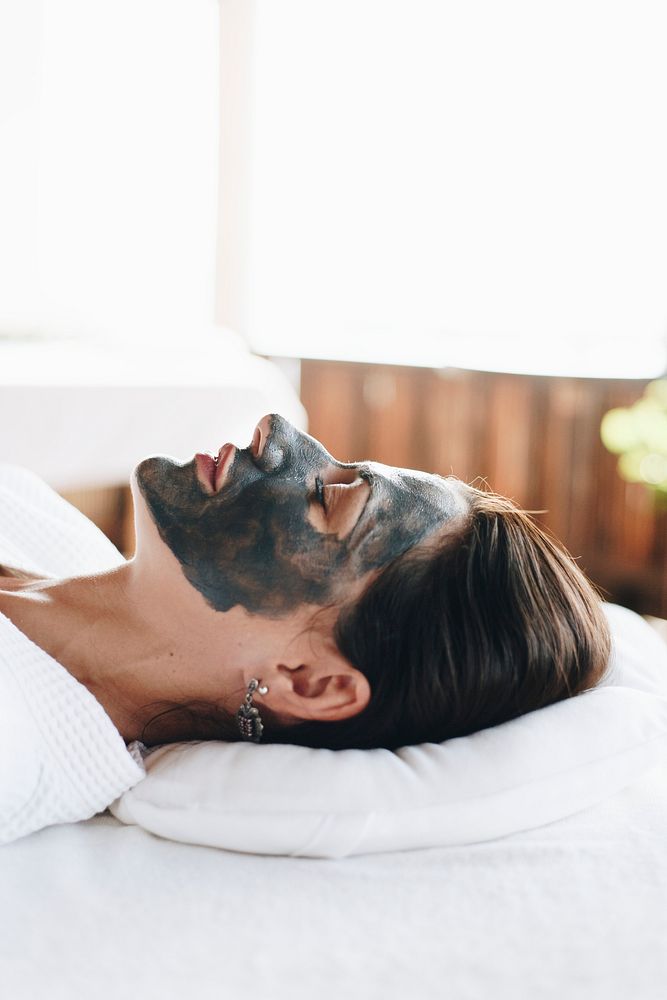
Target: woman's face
pixel 286 524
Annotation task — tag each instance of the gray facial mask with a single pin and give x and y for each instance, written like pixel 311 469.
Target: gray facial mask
pixel 253 544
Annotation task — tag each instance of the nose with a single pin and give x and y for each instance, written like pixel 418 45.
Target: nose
pixel 261 435
pixel 278 440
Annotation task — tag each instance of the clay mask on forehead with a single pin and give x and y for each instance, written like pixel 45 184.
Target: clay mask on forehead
pixel 254 544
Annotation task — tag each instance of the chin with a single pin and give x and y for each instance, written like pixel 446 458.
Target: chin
pixel 156 469
pixel 168 487
pixel 153 478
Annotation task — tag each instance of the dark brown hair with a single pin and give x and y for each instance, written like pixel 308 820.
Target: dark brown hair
pixel 488 621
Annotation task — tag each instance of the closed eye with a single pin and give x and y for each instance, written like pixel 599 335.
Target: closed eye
pixel 340 503
pixel 319 492
pixel 333 493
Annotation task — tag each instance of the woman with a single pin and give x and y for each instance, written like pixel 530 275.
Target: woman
pixel 278 594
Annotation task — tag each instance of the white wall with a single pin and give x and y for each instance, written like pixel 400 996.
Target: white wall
pixel 109 174
pixel 479 183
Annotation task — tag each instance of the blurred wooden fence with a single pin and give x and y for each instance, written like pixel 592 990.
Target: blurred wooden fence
pixel 534 439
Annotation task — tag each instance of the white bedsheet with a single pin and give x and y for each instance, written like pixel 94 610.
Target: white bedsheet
pixel 576 910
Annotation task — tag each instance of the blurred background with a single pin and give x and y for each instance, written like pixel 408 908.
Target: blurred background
pixel 431 232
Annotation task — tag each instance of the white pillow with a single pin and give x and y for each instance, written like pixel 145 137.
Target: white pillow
pixel 279 799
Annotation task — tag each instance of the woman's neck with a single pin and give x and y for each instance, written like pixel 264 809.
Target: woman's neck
pixel 132 646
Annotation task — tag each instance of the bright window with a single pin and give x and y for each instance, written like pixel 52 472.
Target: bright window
pixel 109 167
pixel 474 183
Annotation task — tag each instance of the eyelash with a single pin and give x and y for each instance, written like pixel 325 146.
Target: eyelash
pixel 319 493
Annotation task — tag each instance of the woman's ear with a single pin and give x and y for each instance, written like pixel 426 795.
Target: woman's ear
pixel 327 689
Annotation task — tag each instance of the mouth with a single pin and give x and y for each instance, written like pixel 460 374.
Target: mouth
pixel 212 472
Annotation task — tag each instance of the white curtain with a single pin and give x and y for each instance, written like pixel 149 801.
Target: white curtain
pixel 473 183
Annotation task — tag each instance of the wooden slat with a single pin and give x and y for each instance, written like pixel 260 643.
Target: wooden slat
pixel 535 439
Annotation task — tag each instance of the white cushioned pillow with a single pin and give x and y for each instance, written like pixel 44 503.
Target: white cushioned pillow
pixel 279 799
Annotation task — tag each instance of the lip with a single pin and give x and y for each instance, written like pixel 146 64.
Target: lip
pixel 254 444
pixel 206 470
pixel 212 474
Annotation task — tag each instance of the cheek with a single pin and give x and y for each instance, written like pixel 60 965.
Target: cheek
pixel 324 562
pixel 302 550
pixel 271 578
pixel 316 518
pixel 260 550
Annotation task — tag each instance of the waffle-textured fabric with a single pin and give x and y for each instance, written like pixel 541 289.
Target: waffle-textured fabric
pixel 61 757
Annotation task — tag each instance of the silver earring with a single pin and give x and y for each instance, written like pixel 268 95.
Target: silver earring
pixel 248 716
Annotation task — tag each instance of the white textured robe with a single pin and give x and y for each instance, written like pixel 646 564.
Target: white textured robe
pixel 61 757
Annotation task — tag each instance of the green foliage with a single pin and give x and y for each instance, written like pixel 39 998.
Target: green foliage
pixel 638 435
